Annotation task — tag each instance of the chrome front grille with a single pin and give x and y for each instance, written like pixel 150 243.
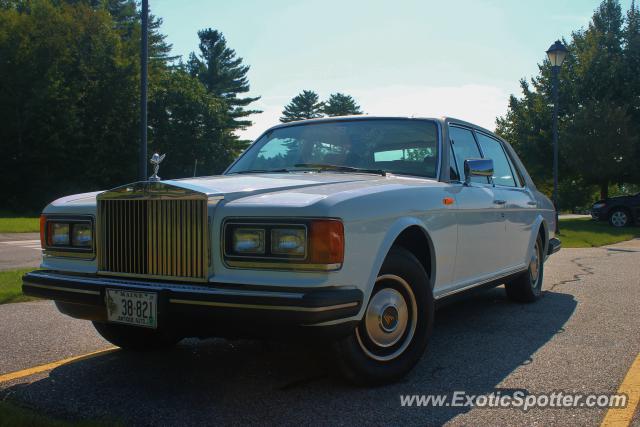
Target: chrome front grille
pixel 160 238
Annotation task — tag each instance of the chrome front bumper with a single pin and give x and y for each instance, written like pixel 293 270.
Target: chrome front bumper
pixel 213 301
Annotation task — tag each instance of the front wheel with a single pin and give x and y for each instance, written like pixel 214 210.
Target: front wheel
pixel 136 338
pixel 393 334
pixel 528 286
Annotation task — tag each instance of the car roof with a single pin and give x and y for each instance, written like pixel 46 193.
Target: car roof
pixel 443 119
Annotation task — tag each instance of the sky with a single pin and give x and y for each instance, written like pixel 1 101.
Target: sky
pixel 425 58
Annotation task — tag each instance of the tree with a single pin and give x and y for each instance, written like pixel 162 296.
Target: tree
pixel 305 105
pixel 69 102
pixel 598 142
pixel 223 74
pixel 341 105
pixel 598 117
pixel 181 109
pixel 598 137
pixel 631 52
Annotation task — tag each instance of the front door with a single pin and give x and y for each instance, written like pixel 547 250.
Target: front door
pixel 519 203
pixel 480 217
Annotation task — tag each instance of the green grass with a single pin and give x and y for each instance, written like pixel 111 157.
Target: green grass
pixel 586 233
pixel 19 224
pixel 11 286
pixel 12 415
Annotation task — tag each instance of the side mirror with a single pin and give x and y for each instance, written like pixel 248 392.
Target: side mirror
pixel 477 167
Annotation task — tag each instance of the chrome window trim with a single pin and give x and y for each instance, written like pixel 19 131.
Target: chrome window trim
pixel 475 139
pixel 515 175
pixel 436 122
pixel 518 171
pixel 440 146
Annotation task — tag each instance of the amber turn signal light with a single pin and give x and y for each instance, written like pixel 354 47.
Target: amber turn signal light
pixel 326 242
pixel 43 223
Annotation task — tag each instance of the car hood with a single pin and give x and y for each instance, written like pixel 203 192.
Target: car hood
pixel 284 188
pixel 236 186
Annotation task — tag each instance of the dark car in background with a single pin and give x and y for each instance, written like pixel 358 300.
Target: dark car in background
pixel 619 211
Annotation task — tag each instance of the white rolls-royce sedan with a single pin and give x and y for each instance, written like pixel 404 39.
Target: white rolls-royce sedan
pixel 345 229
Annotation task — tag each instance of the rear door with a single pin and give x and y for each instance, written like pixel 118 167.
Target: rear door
pixel 481 227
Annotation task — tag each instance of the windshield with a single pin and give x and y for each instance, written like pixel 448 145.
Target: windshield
pixel 401 146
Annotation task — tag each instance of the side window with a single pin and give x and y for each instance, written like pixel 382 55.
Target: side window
pixel 520 182
pixel 465 147
pixel 492 149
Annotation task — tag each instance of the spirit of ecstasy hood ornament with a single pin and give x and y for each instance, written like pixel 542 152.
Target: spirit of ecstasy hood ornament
pixel 156 159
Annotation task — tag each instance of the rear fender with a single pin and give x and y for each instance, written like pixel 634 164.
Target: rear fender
pixel 535 230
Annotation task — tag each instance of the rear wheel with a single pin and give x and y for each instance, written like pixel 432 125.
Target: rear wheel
pixel 396 326
pixel 619 218
pixel 136 338
pixel 528 286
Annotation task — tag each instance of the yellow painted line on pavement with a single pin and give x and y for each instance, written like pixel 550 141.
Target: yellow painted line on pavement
pixel 49 366
pixel 631 387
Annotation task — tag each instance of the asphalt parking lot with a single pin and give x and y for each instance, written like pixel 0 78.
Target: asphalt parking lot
pixel 582 336
pixel 19 250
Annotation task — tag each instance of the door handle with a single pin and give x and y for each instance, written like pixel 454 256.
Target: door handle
pixel 500 202
pixel 532 203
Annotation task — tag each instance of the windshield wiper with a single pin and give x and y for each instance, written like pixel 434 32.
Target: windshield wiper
pixel 261 171
pixel 339 168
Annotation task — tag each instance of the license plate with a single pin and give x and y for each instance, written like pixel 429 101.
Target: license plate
pixel 132 307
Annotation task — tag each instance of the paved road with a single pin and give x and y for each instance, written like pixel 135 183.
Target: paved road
pixel 582 336
pixel 19 250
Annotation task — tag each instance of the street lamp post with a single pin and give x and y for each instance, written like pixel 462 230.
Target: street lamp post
pixel 556 54
pixel 144 57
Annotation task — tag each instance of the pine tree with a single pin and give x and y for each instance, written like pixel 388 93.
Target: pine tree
pixel 340 104
pixel 597 119
pixel 305 105
pixel 69 95
pixel 223 74
pixel 631 52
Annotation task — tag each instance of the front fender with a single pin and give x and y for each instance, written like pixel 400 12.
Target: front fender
pixel 392 234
